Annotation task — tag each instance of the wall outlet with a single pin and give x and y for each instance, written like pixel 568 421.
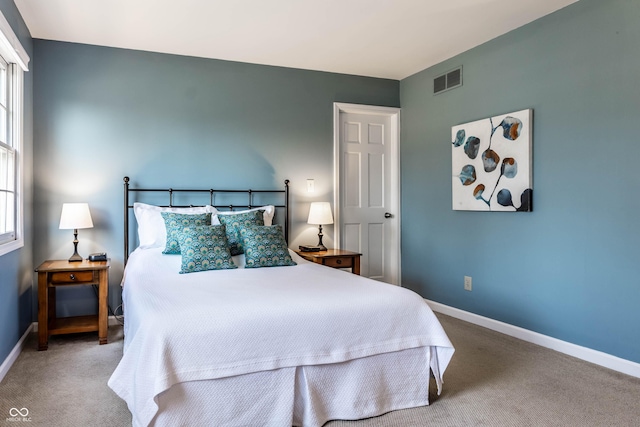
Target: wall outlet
pixel 467 283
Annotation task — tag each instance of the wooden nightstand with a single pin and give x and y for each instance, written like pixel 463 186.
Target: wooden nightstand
pixel 336 258
pixel 65 273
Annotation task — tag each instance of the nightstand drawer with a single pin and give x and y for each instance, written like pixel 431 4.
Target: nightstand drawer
pixel 346 262
pixel 73 277
pixel 335 258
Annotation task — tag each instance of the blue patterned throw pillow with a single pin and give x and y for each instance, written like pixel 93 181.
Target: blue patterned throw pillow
pixel 204 248
pixel 265 247
pixel 175 223
pixel 236 224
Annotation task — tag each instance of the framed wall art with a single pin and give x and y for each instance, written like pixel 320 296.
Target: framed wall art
pixel 492 163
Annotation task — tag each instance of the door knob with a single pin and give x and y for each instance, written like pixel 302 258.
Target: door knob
pixel 387 215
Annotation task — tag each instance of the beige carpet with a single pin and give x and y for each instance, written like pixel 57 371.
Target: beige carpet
pixel 493 380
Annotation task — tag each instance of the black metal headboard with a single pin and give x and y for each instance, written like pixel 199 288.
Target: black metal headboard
pixel 212 198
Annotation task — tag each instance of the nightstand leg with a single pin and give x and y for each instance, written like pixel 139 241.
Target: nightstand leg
pixel 356 265
pixel 43 317
pixel 103 319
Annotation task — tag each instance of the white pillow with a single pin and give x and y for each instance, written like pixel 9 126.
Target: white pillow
pixel 151 229
pixel 269 212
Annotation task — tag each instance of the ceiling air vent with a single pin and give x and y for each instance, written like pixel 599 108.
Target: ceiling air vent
pixel 449 80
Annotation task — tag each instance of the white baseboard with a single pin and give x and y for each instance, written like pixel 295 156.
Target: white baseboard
pixel 17 349
pixel 599 358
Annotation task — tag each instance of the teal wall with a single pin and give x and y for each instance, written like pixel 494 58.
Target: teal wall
pixel 16 268
pixel 174 121
pixel 570 269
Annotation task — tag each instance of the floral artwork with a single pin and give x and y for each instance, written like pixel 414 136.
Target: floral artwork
pixel 491 160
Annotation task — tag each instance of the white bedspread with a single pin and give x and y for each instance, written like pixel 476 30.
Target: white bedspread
pixel 208 325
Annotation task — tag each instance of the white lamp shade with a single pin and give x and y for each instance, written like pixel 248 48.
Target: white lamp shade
pixel 320 213
pixel 75 215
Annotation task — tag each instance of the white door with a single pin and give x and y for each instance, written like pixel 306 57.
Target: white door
pixel 367 193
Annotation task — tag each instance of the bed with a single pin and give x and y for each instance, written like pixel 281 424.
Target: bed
pixel 294 345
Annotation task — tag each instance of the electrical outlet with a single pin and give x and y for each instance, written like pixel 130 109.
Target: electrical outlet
pixel 467 283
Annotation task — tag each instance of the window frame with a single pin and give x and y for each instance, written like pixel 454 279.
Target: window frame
pixel 17 63
pixel 8 153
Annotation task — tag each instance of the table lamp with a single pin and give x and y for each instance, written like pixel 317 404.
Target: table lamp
pixel 74 216
pixel 320 213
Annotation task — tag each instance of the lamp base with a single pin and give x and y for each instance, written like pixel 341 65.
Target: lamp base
pixel 75 257
pixel 320 235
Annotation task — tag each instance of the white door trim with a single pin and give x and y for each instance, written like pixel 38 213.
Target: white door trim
pixel 394 116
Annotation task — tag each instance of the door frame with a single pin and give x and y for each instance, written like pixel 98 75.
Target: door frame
pixel 394 116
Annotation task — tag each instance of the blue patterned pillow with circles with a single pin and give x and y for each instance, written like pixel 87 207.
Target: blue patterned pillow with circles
pixel 175 223
pixel 236 224
pixel 204 248
pixel 265 247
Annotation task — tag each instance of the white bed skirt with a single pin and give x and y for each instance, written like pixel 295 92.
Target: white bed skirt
pixel 351 390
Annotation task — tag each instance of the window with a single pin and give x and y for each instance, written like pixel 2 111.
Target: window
pixel 7 162
pixel 13 62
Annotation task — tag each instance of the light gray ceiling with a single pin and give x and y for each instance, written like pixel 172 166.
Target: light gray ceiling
pixel 379 38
